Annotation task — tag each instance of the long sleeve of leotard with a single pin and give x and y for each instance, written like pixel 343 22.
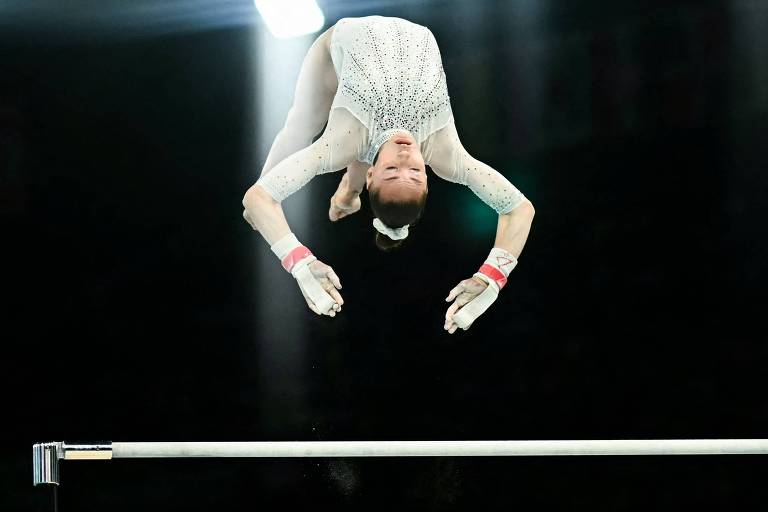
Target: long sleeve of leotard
pixel 342 142
pixel 444 153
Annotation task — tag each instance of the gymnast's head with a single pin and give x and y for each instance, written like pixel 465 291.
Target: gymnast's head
pixel 397 188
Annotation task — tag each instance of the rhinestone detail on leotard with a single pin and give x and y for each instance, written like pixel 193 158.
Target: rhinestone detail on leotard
pixel 390 77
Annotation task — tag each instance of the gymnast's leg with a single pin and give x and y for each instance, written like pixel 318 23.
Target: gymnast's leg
pixel 312 101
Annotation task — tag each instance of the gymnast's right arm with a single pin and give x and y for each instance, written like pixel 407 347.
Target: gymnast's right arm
pixel 338 146
pixel 264 214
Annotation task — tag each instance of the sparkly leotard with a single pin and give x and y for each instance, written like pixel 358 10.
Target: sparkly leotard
pixel 390 79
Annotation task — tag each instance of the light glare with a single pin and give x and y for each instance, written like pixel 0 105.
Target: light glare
pixel 291 18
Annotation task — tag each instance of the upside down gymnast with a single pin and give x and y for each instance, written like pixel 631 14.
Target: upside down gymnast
pixel 377 85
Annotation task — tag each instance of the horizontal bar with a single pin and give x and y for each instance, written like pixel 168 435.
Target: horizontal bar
pixel 440 448
pixel 45 456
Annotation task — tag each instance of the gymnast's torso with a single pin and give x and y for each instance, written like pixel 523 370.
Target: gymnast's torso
pixel 390 77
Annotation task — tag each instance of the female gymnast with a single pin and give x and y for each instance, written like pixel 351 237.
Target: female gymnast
pixel 377 85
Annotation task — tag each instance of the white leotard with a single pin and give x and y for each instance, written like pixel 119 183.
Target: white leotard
pixel 390 79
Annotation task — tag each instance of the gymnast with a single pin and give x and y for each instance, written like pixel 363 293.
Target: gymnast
pixel 378 87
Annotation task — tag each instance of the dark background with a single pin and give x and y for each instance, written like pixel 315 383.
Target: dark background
pixel 137 305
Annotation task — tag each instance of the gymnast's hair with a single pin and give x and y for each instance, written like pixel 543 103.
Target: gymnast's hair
pixel 394 214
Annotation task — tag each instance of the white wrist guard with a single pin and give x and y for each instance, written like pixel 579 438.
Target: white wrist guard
pixel 296 259
pixel 290 252
pixel 498 265
pixel 311 288
pixel 477 306
pixel 494 271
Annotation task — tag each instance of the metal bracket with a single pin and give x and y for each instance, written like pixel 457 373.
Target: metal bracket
pixel 45 458
pixel 45 463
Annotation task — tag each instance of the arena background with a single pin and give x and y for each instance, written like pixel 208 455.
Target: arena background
pixel 140 306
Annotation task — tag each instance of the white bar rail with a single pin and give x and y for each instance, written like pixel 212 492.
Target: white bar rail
pixel 46 455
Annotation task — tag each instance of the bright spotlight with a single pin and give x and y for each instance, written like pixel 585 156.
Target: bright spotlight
pixel 291 18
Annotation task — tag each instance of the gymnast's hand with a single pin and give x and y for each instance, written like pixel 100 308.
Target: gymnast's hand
pixel 319 285
pixel 466 308
pixel 344 202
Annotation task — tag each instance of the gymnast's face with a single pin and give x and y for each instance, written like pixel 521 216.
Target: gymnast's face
pixel 399 173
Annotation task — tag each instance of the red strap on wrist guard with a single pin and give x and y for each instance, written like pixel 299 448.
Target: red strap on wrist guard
pixel 494 273
pixel 295 256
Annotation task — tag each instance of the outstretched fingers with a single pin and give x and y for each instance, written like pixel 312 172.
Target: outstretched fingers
pixel 330 289
pixel 450 326
pixel 460 301
pixel 456 290
pixel 338 301
pixel 461 295
pixel 334 278
pixel 331 312
pixel 452 310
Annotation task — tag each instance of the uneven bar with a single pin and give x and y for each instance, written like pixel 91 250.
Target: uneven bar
pixel 441 448
pixel 46 455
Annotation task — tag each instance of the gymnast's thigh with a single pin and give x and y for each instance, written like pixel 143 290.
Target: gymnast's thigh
pixel 316 86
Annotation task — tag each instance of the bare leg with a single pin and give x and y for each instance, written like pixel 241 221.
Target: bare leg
pixel 312 101
pixel 346 200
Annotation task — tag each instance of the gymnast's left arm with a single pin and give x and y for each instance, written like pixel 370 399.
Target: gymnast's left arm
pixel 472 297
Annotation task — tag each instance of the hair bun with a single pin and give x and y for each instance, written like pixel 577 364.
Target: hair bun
pixel 384 243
